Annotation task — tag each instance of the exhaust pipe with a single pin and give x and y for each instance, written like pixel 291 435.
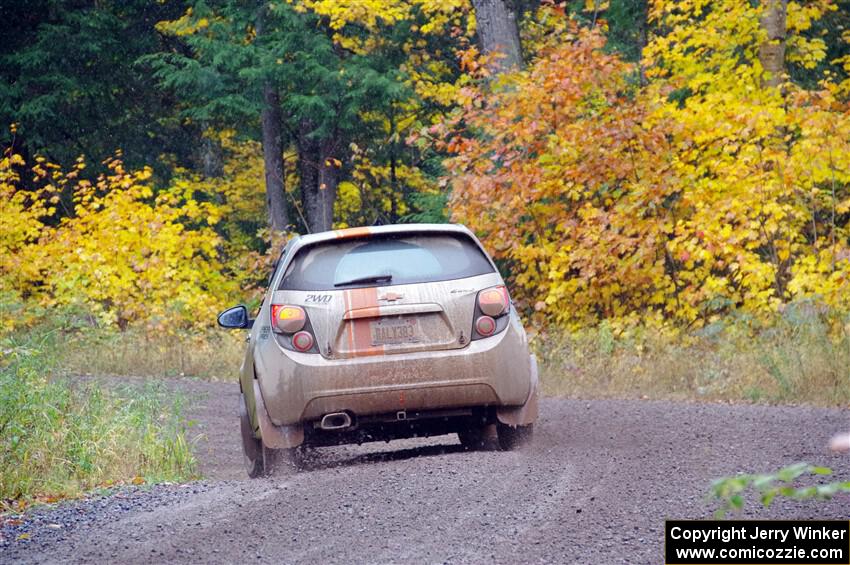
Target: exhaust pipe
pixel 335 421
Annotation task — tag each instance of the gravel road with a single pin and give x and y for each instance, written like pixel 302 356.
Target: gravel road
pixel 595 487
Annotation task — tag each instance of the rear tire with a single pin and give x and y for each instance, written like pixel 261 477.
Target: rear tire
pixel 254 467
pixel 262 461
pixel 252 447
pixel 471 438
pixel 271 461
pixel 514 437
pixel 478 437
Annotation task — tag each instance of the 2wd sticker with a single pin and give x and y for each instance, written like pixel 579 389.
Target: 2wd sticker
pixel 318 298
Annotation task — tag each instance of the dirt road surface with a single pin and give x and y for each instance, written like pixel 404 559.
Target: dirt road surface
pixel 595 487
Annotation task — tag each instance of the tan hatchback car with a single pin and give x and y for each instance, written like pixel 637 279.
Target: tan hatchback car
pixel 381 333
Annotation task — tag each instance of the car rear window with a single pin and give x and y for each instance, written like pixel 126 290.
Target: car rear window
pixel 407 259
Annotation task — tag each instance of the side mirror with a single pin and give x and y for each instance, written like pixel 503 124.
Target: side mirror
pixel 235 318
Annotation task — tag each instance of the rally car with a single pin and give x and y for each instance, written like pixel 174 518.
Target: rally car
pixel 380 333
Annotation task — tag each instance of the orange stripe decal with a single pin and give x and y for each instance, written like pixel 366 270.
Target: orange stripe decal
pixel 360 332
pixel 363 298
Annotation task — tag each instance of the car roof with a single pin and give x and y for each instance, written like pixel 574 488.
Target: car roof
pixel 366 231
pixel 307 240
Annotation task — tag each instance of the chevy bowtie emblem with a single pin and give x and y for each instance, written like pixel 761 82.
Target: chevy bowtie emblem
pixel 391 297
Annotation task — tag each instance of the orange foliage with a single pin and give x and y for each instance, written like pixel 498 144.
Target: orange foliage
pixel 607 200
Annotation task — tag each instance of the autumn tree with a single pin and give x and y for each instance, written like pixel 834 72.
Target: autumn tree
pixel 699 194
pixel 393 170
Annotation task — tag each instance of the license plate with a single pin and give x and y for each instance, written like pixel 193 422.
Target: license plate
pixel 393 331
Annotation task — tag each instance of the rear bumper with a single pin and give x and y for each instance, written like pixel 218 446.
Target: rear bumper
pixel 301 387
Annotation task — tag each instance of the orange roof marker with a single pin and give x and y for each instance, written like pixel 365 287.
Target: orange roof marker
pixel 352 232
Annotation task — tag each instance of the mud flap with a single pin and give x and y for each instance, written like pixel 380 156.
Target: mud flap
pixel 527 413
pixel 275 437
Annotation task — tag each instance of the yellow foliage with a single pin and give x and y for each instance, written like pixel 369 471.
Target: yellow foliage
pixel 348 203
pixel 371 15
pixel 128 254
pixel 22 260
pixel 368 13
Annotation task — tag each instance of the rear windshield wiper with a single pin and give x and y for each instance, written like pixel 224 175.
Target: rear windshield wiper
pixel 369 279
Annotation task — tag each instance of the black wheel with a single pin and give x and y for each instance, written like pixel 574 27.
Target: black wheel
pixel 252 447
pixel 269 461
pixel 260 460
pixel 471 438
pixel 514 437
pixel 478 437
pixel 254 467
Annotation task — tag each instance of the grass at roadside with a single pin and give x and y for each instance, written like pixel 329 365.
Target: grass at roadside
pixel 803 357
pixel 60 437
pixel 211 354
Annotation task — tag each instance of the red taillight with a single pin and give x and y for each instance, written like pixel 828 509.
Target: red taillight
pixel 494 301
pixel 288 319
pixel 302 341
pixel 485 325
pixel 292 320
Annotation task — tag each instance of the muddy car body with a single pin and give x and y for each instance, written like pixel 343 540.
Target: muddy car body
pixel 379 333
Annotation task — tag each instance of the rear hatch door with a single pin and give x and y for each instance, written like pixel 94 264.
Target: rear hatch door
pixel 441 274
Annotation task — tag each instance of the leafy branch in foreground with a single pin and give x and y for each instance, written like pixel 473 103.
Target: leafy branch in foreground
pixel 731 490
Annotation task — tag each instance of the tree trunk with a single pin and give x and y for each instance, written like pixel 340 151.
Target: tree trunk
pixel 210 156
pixel 273 159
pixel 642 25
pixel 498 35
pixel 270 121
pixel 318 166
pixel 772 51
pixel 329 165
pixel 308 173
